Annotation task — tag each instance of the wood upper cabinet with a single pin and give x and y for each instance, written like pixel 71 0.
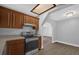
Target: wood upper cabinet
pixel 32 20
pixel 17 20
pixel 27 19
pixel 10 18
pixel 14 19
pixel 35 22
pixel 5 17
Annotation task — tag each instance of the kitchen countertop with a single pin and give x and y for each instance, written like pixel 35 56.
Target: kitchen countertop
pixel 4 38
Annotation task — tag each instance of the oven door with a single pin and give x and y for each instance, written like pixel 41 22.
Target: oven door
pixel 31 45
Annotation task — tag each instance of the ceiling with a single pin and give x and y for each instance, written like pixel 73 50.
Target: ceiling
pixel 56 14
pixel 59 14
pixel 24 8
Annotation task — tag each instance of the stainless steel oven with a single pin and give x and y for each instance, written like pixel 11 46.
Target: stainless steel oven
pixel 31 41
pixel 31 45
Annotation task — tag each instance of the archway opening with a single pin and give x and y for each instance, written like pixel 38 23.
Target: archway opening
pixel 47 30
pixel 47 34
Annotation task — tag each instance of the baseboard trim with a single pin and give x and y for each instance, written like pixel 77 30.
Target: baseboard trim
pixel 75 45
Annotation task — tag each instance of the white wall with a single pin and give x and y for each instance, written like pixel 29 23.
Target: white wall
pixel 68 31
pixel 41 20
pixel 44 18
pixel 47 29
pixel 53 27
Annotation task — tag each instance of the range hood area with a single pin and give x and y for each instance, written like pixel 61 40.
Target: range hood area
pixel 29 30
pixel 28 24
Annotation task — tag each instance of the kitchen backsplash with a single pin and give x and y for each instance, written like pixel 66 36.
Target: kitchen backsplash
pixel 6 31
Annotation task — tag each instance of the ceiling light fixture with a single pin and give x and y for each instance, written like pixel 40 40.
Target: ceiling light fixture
pixel 69 14
pixel 42 8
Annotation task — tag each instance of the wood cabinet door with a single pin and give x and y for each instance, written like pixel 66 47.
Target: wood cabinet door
pixel 17 20
pixel 40 43
pixel 15 47
pixel 5 17
pixel 31 20
pixel 35 22
pixel 27 19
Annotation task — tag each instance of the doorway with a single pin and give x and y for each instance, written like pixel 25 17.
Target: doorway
pixel 47 34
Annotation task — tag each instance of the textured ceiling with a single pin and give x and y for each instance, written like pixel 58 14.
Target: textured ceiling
pixel 56 14
pixel 60 13
pixel 24 8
